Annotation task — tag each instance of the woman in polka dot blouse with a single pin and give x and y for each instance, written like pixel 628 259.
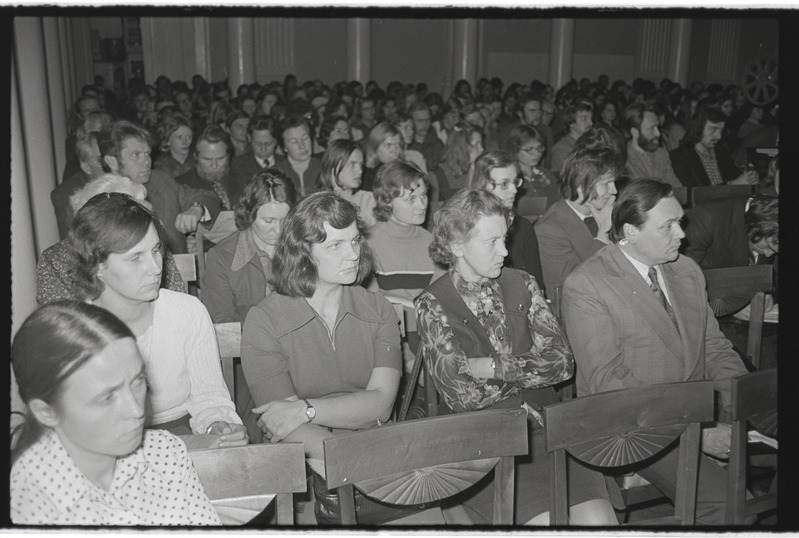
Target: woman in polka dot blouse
pixel 84 457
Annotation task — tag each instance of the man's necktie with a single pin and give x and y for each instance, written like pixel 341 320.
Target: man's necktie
pixel 223 197
pixel 655 287
pixel 593 227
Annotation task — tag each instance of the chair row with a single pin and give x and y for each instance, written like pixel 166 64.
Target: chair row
pixel 425 461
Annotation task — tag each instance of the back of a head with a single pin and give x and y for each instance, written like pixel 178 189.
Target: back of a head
pixel 108 183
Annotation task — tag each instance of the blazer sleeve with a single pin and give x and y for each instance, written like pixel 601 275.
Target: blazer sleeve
pixel 218 294
pixel 682 167
pixel 598 352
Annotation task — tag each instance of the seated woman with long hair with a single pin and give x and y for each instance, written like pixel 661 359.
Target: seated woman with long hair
pixel 84 457
pixel 119 245
pixel 342 172
pixel 464 144
pixel 321 354
pixel 491 341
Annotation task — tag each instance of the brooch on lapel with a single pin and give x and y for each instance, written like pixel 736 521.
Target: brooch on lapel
pixel 521 307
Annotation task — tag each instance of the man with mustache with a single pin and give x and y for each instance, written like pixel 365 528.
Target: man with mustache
pixel 636 313
pixel 645 156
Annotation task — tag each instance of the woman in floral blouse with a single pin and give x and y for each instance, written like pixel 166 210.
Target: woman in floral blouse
pixel 491 341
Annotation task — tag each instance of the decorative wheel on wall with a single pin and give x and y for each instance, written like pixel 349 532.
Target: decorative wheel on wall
pixel 761 79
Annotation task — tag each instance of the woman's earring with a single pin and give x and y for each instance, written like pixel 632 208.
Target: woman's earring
pixel 623 241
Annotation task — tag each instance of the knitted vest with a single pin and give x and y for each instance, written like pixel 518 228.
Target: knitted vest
pixel 474 341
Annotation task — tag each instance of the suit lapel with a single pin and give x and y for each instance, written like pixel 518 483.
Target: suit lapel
pixel 646 304
pixel 684 289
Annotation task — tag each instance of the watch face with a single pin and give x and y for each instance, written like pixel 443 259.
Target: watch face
pixel 311 412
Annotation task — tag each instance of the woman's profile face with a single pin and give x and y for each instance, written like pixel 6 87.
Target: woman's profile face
pixel 100 412
pixel 389 149
pixel 180 141
pixel 337 257
pixel 134 275
pixel 268 220
pixel 352 172
pixel 483 252
pixel 410 206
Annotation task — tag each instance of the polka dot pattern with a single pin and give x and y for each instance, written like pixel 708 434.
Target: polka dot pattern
pixel 154 485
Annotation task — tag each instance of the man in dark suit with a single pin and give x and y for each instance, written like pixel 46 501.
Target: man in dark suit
pixel 90 168
pixel 701 160
pixel 737 232
pixel 262 135
pixel 575 227
pixel 636 313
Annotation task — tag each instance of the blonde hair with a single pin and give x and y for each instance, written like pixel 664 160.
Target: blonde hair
pixel 109 183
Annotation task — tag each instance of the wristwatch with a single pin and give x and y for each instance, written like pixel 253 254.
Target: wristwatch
pixel 310 411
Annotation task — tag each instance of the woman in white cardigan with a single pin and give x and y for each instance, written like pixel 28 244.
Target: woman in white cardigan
pixel 119 244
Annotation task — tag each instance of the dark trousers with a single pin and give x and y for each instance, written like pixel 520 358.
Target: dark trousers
pixel 711 495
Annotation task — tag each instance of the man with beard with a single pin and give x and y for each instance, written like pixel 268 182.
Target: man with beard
pixel 637 314
pixel 211 172
pixel 125 150
pixel 645 156
pixel 701 161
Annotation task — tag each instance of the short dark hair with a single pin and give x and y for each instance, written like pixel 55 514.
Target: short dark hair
pixel 327 126
pixel 487 161
pixel 633 202
pixel 457 217
pixel 390 180
pixel 294 273
pixel 110 222
pixel 236 114
pixel 212 134
pixel 418 106
pixel 696 127
pixel 583 167
pixel 269 185
pixel 292 121
pixel 261 122
pixel 111 139
pixel 762 219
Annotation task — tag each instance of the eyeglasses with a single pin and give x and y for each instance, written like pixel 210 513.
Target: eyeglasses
pixel 505 184
pixel 533 149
